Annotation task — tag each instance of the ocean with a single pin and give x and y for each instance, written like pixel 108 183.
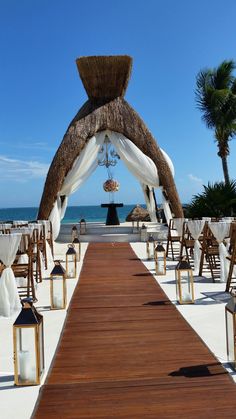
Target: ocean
pixel 73 214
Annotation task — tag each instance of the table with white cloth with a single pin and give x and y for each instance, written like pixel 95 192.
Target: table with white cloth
pixel 9 297
pixel 220 231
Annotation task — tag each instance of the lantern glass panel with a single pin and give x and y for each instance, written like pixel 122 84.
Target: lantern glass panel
pixel 26 354
pixel 184 283
pixel 57 292
pixel 230 336
pixel 160 263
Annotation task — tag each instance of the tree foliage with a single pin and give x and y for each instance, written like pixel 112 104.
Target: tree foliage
pixel 216 200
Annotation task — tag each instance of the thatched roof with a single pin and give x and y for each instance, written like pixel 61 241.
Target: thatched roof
pixel 138 214
pixel 105 109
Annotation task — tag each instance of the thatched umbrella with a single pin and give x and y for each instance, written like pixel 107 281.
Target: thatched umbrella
pixel 105 79
pixel 138 214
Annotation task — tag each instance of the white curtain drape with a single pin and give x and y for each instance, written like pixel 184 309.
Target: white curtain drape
pixel 150 202
pixel 9 298
pixel 140 165
pixel 220 230
pixel 195 228
pixel 166 209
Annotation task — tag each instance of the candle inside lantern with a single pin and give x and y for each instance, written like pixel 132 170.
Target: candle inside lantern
pixel 160 265
pixel 186 297
pixel 24 365
pixel 57 301
pixel 27 372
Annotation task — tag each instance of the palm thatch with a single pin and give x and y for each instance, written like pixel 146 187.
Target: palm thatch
pixel 138 214
pixel 105 80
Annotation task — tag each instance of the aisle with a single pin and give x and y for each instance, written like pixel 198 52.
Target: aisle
pixel 126 352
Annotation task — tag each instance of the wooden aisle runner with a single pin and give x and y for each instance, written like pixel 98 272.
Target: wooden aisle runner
pixel 126 352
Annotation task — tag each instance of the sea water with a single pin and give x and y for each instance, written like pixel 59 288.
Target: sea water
pixel 91 213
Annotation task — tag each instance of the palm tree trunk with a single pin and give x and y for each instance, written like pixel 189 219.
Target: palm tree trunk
pixel 225 169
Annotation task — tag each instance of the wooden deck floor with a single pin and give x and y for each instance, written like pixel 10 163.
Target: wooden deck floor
pixel 126 352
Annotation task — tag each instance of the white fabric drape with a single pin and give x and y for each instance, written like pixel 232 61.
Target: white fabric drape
pixel 150 202
pixel 9 298
pixel 82 168
pixel 220 230
pixel 140 165
pixel 166 209
pixel 195 228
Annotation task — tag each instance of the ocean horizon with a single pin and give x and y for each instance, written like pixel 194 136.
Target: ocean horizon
pixel 91 213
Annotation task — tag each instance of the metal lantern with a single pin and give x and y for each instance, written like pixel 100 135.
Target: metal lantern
pixel 150 246
pixel 160 259
pixel 77 245
pixel 230 318
pixel 82 226
pixel 71 268
pixel 58 291
pixel 28 344
pixel 143 233
pixel 184 282
pixel 74 233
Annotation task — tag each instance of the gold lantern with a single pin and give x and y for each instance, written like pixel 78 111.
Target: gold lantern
pixel 71 268
pixel 82 226
pixel 150 246
pixel 77 245
pixel 184 282
pixel 230 318
pixel 58 290
pixel 28 344
pixel 160 259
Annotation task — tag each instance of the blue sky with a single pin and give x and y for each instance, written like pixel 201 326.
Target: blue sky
pixel 40 89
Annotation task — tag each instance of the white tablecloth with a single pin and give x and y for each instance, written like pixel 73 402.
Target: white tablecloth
pixel 9 297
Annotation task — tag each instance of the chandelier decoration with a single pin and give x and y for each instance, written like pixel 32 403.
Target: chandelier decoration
pixel 108 158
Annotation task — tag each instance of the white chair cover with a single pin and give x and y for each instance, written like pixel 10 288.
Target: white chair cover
pixel 178 224
pixel 195 228
pixel 220 230
pixel 9 298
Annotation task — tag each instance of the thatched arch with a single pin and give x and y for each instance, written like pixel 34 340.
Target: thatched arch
pixel 105 80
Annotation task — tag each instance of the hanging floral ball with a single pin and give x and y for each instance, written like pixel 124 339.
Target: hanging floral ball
pixel 111 185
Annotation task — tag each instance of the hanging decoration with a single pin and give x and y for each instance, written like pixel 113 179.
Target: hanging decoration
pixel 111 185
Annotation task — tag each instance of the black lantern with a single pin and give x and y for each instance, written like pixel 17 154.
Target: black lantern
pixel 184 282
pixel 143 233
pixel 230 318
pixel 160 259
pixel 150 247
pixel 58 292
pixel 74 233
pixel 77 245
pixel 71 267
pixel 28 344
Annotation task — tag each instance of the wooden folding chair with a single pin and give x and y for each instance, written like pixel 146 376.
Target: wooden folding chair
pixel 231 280
pixel 172 239
pixel 187 244
pixel 25 270
pixel 210 260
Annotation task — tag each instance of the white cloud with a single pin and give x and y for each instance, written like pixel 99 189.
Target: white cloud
pixel 21 170
pixel 194 178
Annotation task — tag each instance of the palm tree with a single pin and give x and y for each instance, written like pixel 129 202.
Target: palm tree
pixel 216 200
pixel 216 98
